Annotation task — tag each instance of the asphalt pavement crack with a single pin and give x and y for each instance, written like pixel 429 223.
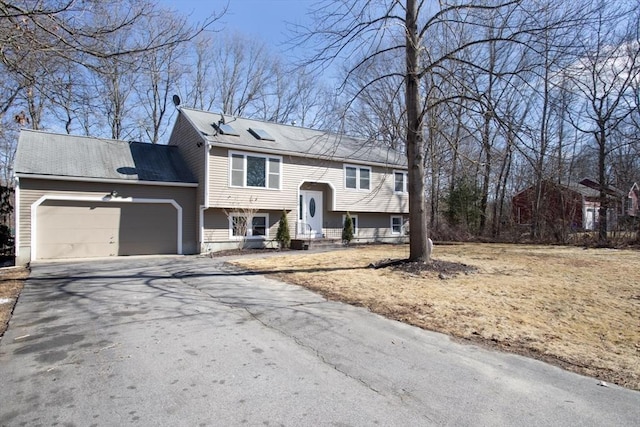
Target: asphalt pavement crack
pixel 311 349
pixel 298 341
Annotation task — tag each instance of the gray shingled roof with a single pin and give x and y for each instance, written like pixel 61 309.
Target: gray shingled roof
pixel 43 153
pixel 582 189
pixel 292 140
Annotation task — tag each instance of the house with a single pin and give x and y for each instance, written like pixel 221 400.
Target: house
pixel 631 205
pixel 219 183
pixel 573 205
pixel 249 172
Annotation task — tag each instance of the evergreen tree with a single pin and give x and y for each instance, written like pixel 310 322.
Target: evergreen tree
pixel 464 205
pixel 283 236
pixel 347 230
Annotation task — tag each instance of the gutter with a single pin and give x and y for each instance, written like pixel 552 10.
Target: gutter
pixel 105 180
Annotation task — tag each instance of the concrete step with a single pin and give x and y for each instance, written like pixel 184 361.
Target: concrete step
pixel 316 243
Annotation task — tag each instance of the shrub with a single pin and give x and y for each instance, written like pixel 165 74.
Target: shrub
pixel 347 230
pixel 283 236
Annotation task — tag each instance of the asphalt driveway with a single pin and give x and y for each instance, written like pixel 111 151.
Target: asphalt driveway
pixel 189 341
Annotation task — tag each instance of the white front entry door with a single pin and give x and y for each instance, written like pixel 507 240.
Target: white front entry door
pixel 311 205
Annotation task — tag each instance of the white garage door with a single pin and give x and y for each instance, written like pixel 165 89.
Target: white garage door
pixel 72 229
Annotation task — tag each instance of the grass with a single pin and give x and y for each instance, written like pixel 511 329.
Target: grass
pixel 577 308
pixel 11 283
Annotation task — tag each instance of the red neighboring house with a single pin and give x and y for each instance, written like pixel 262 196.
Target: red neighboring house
pixel 575 205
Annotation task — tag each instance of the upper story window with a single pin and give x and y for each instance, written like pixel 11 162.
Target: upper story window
pixel 400 182
pixel 357 177
pixel 255 170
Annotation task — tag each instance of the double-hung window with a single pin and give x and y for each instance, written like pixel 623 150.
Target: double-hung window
pixel 255 170
pixel 396 224
pixel 357 177
pixel 400 182
pixel 240 227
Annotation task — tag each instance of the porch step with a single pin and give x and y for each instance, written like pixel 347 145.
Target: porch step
pixel 316 243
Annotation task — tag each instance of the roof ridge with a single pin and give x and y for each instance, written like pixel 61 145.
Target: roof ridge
pixel 95 138
pixel 288 125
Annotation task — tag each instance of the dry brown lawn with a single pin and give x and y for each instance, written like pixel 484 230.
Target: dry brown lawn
pixel 577 308
pixel 11 283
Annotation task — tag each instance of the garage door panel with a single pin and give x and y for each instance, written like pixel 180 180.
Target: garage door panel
pixel 79 235
pixel 77 250
pixel 157 248
pixel 73 229
pixel 141 216
pixel 79 217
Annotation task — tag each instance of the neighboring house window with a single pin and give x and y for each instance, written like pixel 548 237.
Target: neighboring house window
pixel 255 170
pixel 239 227
pixel 357 177
pixel 400 182
pixel 396 224
pixel 354 220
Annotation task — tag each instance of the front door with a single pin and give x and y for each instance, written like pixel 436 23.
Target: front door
pixel 311 213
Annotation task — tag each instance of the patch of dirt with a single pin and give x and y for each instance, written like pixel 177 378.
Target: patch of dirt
pixel 11 284
pixel 444 269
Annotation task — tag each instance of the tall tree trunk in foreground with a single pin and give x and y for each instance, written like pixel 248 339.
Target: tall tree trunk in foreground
pixel 418 247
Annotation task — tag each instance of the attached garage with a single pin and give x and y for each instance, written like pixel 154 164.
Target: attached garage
pixel 79 197
pixel 75 229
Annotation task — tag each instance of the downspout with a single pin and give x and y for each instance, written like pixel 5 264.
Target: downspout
pixel 16 218
pixel 205 204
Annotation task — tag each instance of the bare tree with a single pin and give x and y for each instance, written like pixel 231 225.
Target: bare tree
pixel 242 70
pixel 35 36
pixel 160 72
pixel 604 77
pixel 368 29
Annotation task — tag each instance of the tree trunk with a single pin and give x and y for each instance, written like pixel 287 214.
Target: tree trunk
pixel 418 247
pixel 486 176
pixel 604 201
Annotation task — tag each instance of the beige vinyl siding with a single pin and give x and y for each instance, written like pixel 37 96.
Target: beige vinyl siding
pixel 371 226
pixel 192 148
pixel 216 224
pixel 33 189
pixel 295 171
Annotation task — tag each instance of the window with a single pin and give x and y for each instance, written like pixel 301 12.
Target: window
pixel 259 226
pixel 225 129
pixel 351 180
pixel 364 178
pixel 255 170
pixel 300 207
pixel 239 227
pixel 357 177
pixel 400 182
pixel 261 134
pixel 396 225
pixel 354 219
